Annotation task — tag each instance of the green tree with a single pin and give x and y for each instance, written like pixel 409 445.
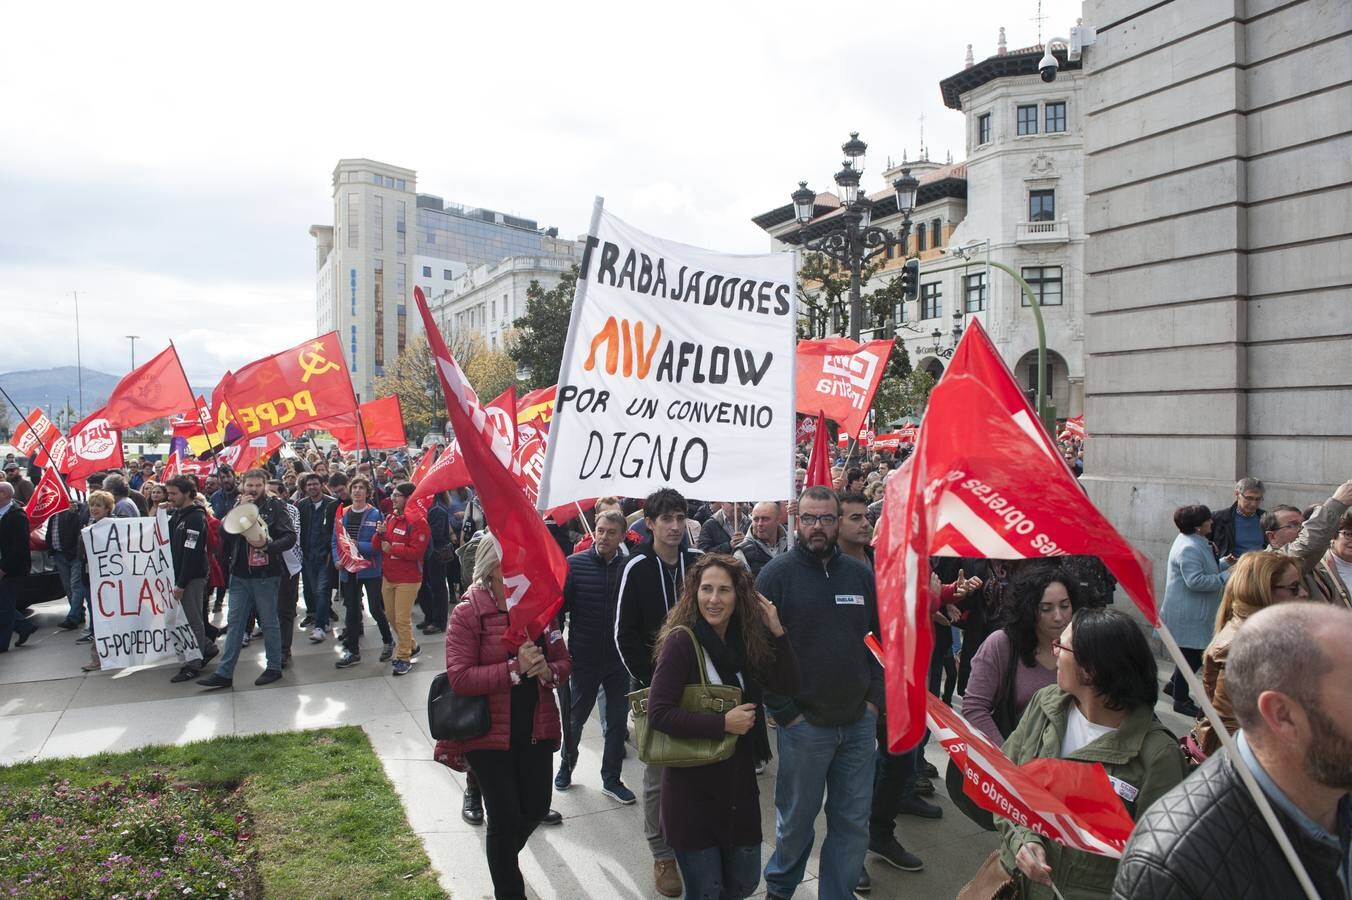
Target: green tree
pixel 542 332
pixel 491 371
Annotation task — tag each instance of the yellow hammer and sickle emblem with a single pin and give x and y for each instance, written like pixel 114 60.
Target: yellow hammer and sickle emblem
pixel 314 363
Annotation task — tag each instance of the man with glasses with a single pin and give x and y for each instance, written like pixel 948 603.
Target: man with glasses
pixel 1307 542
pixel 827 603
pixel 1239 529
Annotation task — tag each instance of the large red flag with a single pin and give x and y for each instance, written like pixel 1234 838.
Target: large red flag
pixel 153 390
pixel 349 557
pixel 533 568
pixel 981 482
pixel 49 498
pixel 819 462
pixel 93 446
pixel 38 438
pixel 839 377
pixel 450 470
pixel 291 389
pixel 381 426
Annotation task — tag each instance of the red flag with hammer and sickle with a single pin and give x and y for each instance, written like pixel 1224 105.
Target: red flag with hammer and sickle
pixel 291 389
pixel 151 391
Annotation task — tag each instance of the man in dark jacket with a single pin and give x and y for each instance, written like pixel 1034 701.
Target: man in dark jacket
pixel 766 540
pixel 256 571
pixel 1239 528
pixel 827 603
pixel 63 542
pixel 649 588
pixel 722 531
pixel 590 592
pixel 188 548
pixel 317 513
pixel 15 562
pixel 1286 676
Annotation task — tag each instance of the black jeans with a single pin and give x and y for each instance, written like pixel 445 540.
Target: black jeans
pixel 516 791
pixel 1194 658
pixel 433 596
pixel 584 686
pixel 352 589
pixel 288 592
pixel 894 777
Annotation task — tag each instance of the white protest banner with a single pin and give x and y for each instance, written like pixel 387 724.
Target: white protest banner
pixel 678 372
pixel 137 621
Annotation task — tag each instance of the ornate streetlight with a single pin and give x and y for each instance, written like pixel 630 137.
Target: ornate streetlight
pixel 856 240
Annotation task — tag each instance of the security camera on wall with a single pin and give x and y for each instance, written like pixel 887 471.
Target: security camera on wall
pixel 1047 66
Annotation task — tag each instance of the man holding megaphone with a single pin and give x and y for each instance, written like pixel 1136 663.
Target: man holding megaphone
pixel 264 529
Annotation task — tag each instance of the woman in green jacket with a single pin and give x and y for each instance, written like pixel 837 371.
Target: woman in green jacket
pixel 1101 709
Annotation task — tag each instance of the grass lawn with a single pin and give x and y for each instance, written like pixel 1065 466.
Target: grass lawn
pixel 316 814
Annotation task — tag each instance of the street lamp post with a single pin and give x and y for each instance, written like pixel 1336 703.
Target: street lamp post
pixel 133 338
pixel 857 240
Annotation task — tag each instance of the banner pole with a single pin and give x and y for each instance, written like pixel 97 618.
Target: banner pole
pixel 51 462
pixel 583 516
pixel 1228 742
pixel 565 365
pixel 216 463
pixel 793 393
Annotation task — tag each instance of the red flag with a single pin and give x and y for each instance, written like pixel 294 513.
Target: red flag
pixel 292 388
pixel 349 557
pixel 49 498
pixel 94 446
pixel 1074 429
pixel 153 390
pixel 819 463
pixel 381 426
pixel 424 464
pixel 533 568
pixel 189 424
pixel 38 438
pixel 981 482
pixel 840 377
pixel 450 471
pixel 244 455
pixel 537 406
pixel 807 427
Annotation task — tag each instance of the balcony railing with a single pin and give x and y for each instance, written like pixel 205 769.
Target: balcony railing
pixel 1043 232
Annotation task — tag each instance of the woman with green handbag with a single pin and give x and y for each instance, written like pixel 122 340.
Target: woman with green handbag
pixel 720 632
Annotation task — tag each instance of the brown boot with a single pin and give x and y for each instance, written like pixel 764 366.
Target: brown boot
pixel 667 878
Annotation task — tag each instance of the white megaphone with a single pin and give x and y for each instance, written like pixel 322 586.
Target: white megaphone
pixel 245 521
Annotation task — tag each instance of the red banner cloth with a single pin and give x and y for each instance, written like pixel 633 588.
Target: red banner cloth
pixel 49 498
pixel 807 427
pixel 154 390
pixel 38 438
pixel 537 406
pixel 819 461
pixel 349 557
pixel 291 389
pixel 93 446
pixel 983 481
pixel 839 377
pixel 382 421
pixel 450 470
pixel 533 567
pixel 1074 429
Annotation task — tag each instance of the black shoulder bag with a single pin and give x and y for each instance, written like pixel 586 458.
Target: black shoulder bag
pixel 451 717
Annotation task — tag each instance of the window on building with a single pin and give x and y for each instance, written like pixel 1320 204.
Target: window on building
pixel 506 306
pixel 427 271
pixel 353 221
pixel 920 238
pixel 983 129
pixel 974 291
pixel 401 227
pixel 1042 206
pixel 1046 284
pixel 493 311
pixel 375 179
pixel 931 304
pixel 446 274
pixel 1054 116
pixel 378 223
pixel 937 233
pixel 378 283
pixel 400 184
pixel 1027 119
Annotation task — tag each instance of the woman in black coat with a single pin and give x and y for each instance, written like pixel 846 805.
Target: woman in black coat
pixel 711 814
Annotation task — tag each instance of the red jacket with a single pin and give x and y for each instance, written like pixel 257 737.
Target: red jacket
pixel 478 662
pixel 408 540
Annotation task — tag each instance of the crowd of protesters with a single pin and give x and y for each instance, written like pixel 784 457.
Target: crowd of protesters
pixel 776 598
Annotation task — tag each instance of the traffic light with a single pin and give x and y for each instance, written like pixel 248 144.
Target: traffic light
pixel 910 279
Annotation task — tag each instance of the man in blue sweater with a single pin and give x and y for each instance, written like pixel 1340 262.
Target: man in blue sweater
pixel 827 603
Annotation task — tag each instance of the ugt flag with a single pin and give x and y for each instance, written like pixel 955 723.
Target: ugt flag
pixel 93 446
pixel 985 481
pixel 678 368
pixel 38 438
pixel 291 389
pixel 533 567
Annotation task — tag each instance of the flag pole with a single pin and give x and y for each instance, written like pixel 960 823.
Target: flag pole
pixel 215 456
pixel 50 461
pixel 1241 766
pixel 792 521
pixel 362 425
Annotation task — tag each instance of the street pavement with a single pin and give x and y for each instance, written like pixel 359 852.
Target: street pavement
pixel 49 708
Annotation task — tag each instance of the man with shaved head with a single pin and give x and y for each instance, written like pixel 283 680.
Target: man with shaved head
pixel 1287 676
pixel 766 540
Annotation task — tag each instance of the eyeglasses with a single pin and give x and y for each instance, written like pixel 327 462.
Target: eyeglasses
pixel 1253 498
pixel 1058 647
pixel 811 521
pixel 1295 525
pixel 1294 587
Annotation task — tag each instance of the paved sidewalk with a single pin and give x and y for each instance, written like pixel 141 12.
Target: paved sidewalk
pixel 48 708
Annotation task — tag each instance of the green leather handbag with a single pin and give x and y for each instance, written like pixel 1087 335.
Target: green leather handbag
pixel 657 748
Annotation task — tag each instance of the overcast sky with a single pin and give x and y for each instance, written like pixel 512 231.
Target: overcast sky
pixel 167 160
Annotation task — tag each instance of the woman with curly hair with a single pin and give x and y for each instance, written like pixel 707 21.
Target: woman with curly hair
pixel 710 814
pixel 1260 579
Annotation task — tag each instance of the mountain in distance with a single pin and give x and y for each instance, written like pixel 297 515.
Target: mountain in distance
pixel 51 388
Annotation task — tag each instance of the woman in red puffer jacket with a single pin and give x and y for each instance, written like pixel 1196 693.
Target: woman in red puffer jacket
pixel 513 763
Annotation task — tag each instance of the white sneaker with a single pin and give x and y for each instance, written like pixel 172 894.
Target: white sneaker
pixel 316 635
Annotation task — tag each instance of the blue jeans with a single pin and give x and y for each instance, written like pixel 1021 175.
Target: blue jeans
pixel 71 571
pixel 813 761
pixel 314 581
pixel 615 685
pixel 258 596
pixel 719 873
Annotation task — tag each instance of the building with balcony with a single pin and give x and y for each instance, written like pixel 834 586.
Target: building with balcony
pixel 367 264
